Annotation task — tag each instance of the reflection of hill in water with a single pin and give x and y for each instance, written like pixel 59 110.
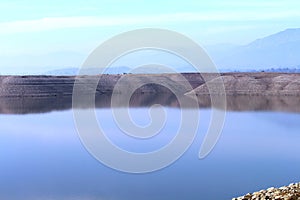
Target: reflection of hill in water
pixel 17 105
pixel 257 103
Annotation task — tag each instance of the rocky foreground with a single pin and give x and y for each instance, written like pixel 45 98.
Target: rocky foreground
pixel 291 192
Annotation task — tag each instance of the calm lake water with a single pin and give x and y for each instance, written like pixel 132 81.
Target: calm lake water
pixel 42 157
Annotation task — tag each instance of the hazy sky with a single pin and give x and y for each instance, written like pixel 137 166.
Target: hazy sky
pixel 38 28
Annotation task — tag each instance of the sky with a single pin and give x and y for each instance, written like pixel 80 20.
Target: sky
pixel 39 35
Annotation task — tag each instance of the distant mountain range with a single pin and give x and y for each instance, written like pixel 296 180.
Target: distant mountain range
pixel 123 70
pixel 90 71
pixel 279 52
pixel 112 70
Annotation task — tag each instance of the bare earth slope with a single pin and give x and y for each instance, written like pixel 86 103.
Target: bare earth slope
pixel 244 91
pixel 254 84
pixel 235 83
pixel 37 86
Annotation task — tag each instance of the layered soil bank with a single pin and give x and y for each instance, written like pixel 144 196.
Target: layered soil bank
pixel 235 84
pixel 253 84
pixel 244 91
pixel 42 86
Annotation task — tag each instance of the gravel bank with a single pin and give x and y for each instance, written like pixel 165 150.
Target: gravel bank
pixel 291 192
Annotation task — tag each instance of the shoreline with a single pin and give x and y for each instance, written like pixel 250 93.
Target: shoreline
pixel 235 84
pixel 244 91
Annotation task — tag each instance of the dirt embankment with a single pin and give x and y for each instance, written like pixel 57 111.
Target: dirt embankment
pixel 253 84
pixel 235 84
pixel 244 91
pixel 41 86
